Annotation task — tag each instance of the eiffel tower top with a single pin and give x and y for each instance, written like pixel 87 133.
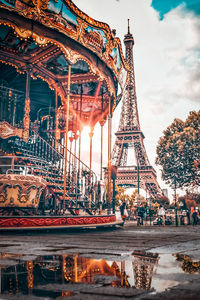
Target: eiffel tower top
pixel 128 37
pixel 129 119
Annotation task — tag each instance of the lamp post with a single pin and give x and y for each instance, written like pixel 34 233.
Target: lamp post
pixel 138 180
pixel 113 177
pixel 150 209
pixel 138 176
pixel 175 201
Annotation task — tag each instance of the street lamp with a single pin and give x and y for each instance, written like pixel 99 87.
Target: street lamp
pixel 138 175
pixel 150 209
pixel 175 201
pixel 113 177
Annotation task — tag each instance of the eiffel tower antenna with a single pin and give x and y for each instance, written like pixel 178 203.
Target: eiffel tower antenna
pixel 128 26
pixel 129 135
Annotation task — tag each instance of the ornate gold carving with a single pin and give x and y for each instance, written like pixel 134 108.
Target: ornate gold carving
pixel 23 199
pixel 27 34
pixel 85 17
pixel 26 120
pixel 7 130
pixel 22 32
pixel 40 4
pixel 20 190
pixel 94 40
pixel 2 199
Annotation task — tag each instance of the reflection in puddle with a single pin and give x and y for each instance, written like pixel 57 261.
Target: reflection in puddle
pixel 143 267
pixel 140 270
pixel 188 265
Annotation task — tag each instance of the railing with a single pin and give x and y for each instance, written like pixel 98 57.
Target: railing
pixel 49 162
pixel 61 150
pixel 57 155
pixel 39 147
pixel 11 105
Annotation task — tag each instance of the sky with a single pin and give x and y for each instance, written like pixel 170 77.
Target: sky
pixel 167 64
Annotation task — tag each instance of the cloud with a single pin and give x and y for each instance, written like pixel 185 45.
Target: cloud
pixel 164 7
pixel 167 63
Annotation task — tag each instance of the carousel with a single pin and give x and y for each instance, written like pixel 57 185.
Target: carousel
pixel 61 70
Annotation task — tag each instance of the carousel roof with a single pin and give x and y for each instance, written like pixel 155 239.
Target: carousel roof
pixel 44 37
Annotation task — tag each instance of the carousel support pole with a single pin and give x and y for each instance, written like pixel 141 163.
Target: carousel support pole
pixel 57 133
pixel 109 156
pixel 14 112
pixel 80 132
pixel 75 144
pixel 90 175
pixel 75 157
pixel 75 165
pixel 66 133
pixel 26 120
pixel 12 163
pixel 70 155
pixel 79 159
pixel 101 163
pixel 101 123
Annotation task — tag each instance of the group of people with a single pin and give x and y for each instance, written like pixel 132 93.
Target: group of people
pixel 187 217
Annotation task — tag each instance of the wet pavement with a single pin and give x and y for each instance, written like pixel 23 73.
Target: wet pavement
pixel 126 263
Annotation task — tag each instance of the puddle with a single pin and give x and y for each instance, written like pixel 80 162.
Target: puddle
pixel 56 276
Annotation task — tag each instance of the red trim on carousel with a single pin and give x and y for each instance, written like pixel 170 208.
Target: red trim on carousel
pixel 43 222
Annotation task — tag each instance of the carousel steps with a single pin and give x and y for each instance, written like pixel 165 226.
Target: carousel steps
pixel 53 180
pixel 47 173
pixel 47 162
pixel 70 195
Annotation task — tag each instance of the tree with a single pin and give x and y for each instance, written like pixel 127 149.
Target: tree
pixel 163 200
pixel 190 203
pixel 190 199
pixel 121 196
pixel 133 197
pixel 178 151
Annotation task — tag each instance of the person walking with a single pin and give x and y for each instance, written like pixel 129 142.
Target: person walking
pixel 141 211
pixel 195 217
pixel 122 211
pixel 161 215
pixel 188 216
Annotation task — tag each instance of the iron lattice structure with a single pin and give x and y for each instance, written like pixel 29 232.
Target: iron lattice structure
pixel 129 135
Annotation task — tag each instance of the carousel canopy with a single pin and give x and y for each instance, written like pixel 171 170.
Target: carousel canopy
pixel 43 38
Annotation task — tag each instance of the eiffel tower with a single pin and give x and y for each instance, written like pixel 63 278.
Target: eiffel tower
pixel 129 135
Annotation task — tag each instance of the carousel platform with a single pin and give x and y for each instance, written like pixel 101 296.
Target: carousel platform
pixel 9 223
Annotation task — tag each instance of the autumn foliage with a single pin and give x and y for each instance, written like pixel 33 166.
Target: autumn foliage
pixel 178 152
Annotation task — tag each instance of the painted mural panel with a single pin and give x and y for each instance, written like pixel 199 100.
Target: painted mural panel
pixel 115 54
pixel 96 38
pixel 10 40
pixel 8 2
pixel 60 8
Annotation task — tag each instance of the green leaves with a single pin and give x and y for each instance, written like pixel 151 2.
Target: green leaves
pixel 178 151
